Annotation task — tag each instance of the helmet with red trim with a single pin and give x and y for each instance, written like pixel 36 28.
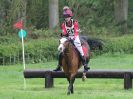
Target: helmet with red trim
pixel 67 12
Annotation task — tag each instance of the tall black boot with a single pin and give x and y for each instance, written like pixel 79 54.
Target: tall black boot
pixel 84 62
pixel 58 68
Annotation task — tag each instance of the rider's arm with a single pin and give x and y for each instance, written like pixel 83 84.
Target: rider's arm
pixel 76 28
pixel 63 30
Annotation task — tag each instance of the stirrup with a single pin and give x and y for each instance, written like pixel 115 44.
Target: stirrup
pixel 86 68
pixel 57 69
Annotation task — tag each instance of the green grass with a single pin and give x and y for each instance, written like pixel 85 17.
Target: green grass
pixel 11 82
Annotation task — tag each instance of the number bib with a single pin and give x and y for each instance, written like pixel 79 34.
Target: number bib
pixel 70 30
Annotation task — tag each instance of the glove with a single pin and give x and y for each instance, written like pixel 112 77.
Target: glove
pixel 66 35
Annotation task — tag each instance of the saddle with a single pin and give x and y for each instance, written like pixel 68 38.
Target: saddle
pixel 83 44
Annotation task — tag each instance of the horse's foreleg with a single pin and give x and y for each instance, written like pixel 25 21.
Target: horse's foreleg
pixel 68 79
pixel 69 91
pixel 70 87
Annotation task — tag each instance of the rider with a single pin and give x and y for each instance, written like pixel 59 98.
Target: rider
pixel 70 29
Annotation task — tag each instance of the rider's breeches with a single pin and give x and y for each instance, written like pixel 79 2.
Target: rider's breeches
pixel 77 43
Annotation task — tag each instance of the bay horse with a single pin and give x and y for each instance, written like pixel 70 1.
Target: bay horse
pixel 71 60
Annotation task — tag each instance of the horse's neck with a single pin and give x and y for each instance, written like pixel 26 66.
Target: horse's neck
pixel 71 59
pixel 70 51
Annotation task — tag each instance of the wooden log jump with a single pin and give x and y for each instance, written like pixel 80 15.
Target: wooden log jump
pixel 127 75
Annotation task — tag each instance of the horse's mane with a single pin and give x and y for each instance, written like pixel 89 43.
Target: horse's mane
pixel 71 44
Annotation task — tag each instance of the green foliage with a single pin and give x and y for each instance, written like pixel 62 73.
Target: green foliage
pixel 6 40
pixel 42 50
pixel 94 16
pixel 43 33
pixel 39 50
pixel 130 16
pixel 119 44
pixel 9 46
pixel 37 13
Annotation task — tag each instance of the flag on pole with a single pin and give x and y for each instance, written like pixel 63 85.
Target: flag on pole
pixel 18 25
pixel 22 33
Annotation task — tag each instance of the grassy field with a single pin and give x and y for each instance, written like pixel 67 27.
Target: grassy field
pixel 11 82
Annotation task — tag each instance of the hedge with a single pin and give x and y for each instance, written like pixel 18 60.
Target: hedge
pixel 39 50
pixel 123 44
pixel 42 50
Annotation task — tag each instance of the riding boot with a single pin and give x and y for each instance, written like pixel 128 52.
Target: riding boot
pixel 84 62
pixel 58 68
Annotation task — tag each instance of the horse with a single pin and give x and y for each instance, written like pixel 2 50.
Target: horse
pixel 71 60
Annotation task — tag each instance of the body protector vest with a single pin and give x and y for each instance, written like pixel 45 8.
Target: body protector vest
pixel 70 28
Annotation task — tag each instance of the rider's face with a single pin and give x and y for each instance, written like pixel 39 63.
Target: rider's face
pixel 68 19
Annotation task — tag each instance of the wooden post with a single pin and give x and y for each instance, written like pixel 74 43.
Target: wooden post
pixel 28 58
pixel 127 81
pixel 10 59
pixel 14 58
pixel 18 57
pixel 3 60
pixel 48 80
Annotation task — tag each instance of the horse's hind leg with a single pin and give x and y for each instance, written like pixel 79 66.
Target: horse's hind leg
pixel 84 76
pixel 84 72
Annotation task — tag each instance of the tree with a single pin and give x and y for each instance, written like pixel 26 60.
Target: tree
pixel 18 9
pixel 37 13
pixel 53 13
pixel 121 12
pixel 4 10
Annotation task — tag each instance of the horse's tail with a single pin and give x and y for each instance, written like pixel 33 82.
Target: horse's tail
pixel 94 43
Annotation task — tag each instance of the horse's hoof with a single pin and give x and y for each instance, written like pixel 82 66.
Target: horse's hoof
pixel 84 77
pixel 72 92
pixel 68 93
